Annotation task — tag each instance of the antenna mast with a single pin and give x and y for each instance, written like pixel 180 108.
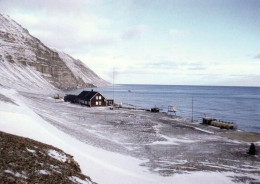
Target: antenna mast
pixel 114 84
pixel 192 109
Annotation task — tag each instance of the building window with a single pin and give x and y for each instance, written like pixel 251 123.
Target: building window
pixel 99 103
pixel 99 97
pixel 96 103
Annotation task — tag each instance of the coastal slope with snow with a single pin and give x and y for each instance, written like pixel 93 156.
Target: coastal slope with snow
pixel 27 63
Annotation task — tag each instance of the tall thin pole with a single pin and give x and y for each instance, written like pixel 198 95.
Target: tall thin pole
pixel 128 97
pixel 192 109
pixel 134 100
pixel 114 84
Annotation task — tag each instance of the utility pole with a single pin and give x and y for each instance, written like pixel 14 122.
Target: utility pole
pixel 192 109
pixel 134 101
pixel 114 85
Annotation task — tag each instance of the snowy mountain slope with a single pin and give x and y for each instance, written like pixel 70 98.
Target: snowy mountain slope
pixel 27 62
pixel 17 76
pixel 81 71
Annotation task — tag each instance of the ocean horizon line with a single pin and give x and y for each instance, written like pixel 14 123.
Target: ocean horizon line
pixel 194 85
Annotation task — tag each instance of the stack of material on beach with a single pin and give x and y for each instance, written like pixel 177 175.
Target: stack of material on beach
pixel 224 125
pixel 220 124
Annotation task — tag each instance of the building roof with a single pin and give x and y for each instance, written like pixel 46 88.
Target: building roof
pixel 70 98
pixel 87 95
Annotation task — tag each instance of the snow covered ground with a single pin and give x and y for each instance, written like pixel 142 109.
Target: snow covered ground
pixel 124 146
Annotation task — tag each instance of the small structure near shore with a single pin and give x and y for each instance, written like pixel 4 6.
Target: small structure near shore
pixel 172 110
pixel 207 121
pixel 89 98
pixel 220 124
pixel 155 109
pixel 110 102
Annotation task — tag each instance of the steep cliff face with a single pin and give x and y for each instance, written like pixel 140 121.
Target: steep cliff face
pixel 25 60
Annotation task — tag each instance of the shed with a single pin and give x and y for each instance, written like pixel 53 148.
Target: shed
pixel 155 109
pixel 110 102
pixel 207 121
pixel 70 98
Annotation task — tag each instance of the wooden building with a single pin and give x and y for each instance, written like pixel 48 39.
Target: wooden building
pixel 71 98
pixel 110 102
pixel 91 99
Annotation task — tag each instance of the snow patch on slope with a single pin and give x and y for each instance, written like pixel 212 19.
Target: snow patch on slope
pixel 57 155
pixel 24 78
pixel 10 26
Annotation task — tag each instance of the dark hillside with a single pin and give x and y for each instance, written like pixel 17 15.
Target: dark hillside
pixel 24 160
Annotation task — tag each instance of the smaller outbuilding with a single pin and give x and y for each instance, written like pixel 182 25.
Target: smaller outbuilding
pixel 71 98
pixel 110 102
pixel 207 121
pixel 155 109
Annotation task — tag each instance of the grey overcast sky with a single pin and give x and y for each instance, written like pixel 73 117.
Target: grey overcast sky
pixel 183 42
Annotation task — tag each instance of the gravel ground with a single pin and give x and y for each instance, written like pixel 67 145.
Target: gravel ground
pixel 167 145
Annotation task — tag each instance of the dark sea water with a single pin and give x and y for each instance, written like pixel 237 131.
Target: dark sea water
pixel 240 105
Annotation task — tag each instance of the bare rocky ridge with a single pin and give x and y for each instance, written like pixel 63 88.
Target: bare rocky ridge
pixel 31 60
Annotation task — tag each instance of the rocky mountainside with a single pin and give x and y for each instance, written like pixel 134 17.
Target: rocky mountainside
pixel 25 62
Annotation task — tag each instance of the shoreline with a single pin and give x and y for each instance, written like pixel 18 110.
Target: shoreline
pixel 205 102
pixel 237 134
